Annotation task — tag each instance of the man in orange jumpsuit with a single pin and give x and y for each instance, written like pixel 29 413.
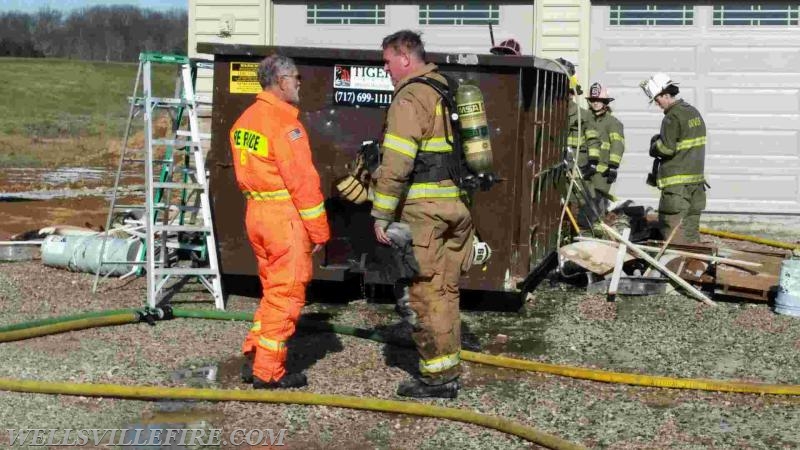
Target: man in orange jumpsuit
pixel 285 218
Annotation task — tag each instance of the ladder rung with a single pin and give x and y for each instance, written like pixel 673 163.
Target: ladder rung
pixel 182 246
pixel 185 271
pixel 167 185
pixel 160 206
pixel 177 143
pixel 161 102
pixel 189 133
pixel 155 161
pixel 180 228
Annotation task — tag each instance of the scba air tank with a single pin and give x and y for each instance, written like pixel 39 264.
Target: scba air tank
pixel 474 128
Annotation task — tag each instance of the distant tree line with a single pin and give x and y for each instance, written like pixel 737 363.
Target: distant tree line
pixel 101 33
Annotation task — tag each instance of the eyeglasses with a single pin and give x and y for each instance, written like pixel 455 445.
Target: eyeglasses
pixel 296 77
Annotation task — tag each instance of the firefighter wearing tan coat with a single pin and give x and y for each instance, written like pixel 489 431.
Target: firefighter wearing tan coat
pixel 414 186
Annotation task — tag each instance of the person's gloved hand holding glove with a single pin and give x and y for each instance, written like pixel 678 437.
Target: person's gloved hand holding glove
pixel 611 173
pixel 589 169
pixel 653 147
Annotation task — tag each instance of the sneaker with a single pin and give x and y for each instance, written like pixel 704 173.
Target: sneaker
pixel 418 389
pixel 290 380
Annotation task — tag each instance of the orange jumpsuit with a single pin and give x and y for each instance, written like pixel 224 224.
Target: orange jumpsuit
pixel 285 216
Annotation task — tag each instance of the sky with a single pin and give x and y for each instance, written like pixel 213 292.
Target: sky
pixel 68 5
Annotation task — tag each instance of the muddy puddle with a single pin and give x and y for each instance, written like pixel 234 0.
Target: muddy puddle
pixel 33 198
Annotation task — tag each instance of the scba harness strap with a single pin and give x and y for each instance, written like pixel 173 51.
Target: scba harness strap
pixel 431 167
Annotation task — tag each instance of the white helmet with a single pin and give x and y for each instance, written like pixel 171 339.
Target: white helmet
pixel 481 252
pixel 655 85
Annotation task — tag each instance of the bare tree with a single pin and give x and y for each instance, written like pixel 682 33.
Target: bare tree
pixel 105 33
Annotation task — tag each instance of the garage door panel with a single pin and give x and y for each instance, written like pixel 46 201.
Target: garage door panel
pixel 751 122
pixel 642 59
pixel 753 101
pixel 741 187
pixel 755 143
pixel 745 83
pixel 761 60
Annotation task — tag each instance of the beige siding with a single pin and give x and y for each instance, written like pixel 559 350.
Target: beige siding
pixel 562 30
pixel 547 28
pixel 229 22
pixel 291 28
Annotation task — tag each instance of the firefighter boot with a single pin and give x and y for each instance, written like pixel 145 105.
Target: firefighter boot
pixel 247 368
pixel 419 389
pixel 290 380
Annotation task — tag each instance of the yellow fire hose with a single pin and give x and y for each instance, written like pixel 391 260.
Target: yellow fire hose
pixel 748 238
pixel 304 398
pixel 606 376
pixel 498 361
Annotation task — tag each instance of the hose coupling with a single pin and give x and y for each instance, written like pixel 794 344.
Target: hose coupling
pixel 151 315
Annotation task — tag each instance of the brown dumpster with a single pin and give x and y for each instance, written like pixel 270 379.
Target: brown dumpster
pixel 344 96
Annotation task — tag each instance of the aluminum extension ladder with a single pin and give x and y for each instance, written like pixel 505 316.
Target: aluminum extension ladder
pixel 176 219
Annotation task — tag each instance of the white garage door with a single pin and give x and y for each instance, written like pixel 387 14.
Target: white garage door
pixel 739 64
pixel 452 27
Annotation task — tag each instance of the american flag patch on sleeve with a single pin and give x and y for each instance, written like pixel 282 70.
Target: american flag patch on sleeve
pixel 295 134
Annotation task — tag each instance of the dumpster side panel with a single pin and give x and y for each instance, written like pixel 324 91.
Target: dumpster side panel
pixel 517 217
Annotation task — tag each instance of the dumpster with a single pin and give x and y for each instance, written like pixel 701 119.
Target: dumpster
pixel 343 101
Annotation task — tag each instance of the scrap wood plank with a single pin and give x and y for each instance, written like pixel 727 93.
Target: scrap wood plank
pixel 639 252
pixel 596 257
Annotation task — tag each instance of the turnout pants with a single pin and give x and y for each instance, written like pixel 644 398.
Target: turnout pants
pixel 442 238
pixel 283 252
pixel 686 202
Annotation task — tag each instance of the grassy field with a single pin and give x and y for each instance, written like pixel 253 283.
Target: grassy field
pixel 57 112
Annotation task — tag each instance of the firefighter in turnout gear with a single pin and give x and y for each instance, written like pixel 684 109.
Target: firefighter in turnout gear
pixel 285 217
pixel 612 143
pixel 414 185
pixel 680 150
pixel 582 143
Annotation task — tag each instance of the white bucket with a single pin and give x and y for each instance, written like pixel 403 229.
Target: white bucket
pixel 788 299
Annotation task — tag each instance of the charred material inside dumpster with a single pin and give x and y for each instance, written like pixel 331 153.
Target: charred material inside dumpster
pixel 343 101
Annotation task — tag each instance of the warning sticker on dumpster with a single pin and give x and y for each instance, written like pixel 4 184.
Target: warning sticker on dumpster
pixel 361 86
pixel 244 78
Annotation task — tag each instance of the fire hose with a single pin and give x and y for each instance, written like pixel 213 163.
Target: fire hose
pixel 27 330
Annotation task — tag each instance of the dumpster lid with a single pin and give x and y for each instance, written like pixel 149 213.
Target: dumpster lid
pixel 352 54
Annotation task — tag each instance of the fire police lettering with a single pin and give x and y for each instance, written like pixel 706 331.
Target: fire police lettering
pixel 251 141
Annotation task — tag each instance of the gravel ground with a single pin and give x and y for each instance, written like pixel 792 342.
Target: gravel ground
pixel 660 335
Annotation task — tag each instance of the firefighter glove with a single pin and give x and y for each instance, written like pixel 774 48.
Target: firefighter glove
pixel 654 146
pixel 589 169
pixel 371 154
pixel 611 174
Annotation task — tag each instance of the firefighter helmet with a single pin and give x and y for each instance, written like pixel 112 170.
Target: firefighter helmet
pixel 598 92
pixel 481 252
pixel 508 47
pixel 656 85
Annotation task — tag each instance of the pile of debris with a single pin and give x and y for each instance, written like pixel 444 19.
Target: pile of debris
pixel 626 260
